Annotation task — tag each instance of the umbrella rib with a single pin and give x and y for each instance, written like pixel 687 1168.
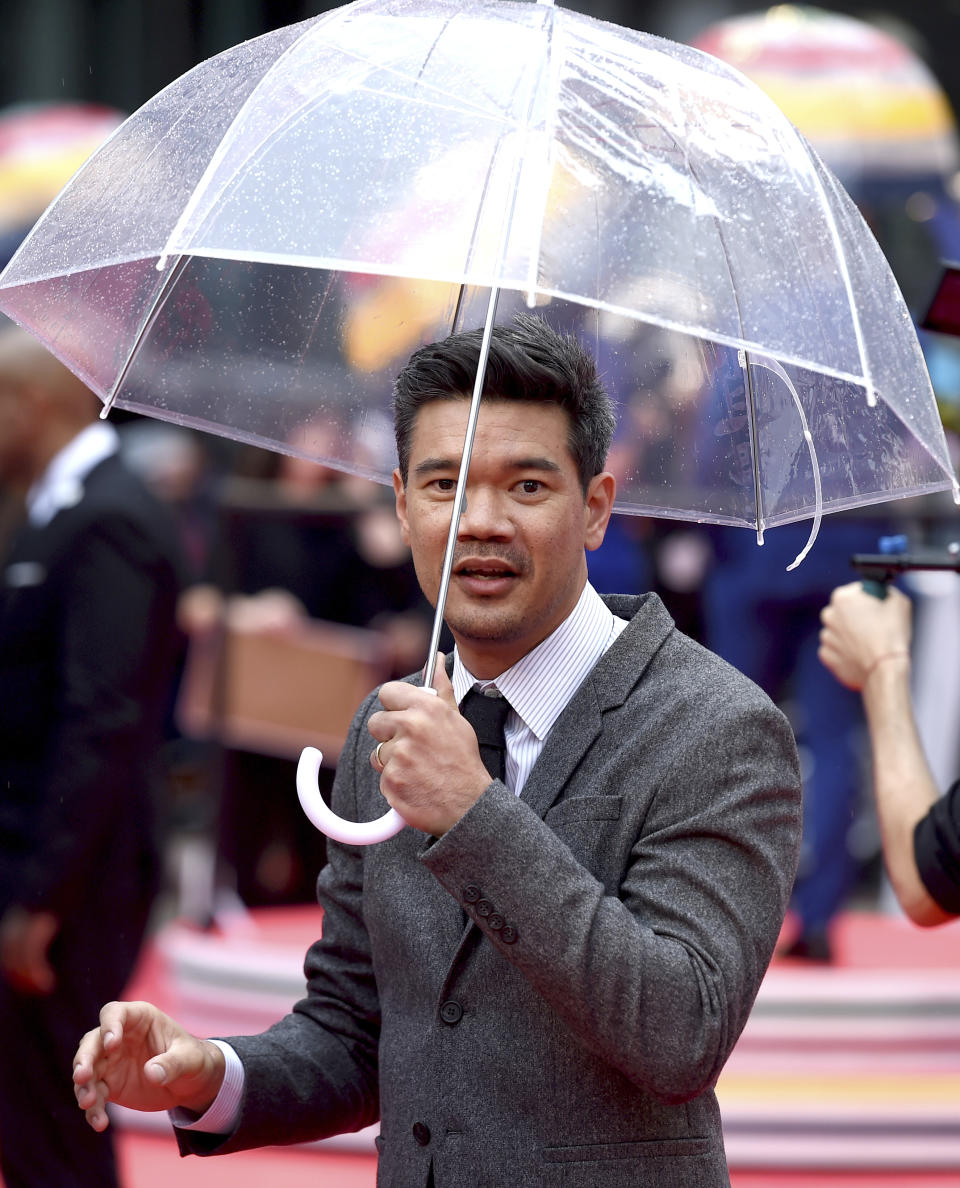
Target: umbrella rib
pixel 763 99
pixel 553 72
pixel 163 293
pixel 752 418
pixel 848 286
pixel 856 502
pixel 463 277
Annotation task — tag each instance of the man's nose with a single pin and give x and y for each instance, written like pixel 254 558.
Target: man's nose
pixel 485 515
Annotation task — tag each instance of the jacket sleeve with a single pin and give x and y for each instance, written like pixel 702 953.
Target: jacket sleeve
pixel 315 1074
pixel 656 973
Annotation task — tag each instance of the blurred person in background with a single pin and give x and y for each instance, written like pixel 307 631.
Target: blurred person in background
pixel 765 621
pixel 88 652
pixel 296 544
pixel 865 643
pixel 176 464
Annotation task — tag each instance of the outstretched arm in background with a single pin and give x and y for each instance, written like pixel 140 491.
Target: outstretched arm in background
pixel 865 642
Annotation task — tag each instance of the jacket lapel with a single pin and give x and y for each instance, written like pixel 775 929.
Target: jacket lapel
pixel 608 686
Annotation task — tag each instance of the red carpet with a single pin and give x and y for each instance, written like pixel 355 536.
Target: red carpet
pixel 153 1162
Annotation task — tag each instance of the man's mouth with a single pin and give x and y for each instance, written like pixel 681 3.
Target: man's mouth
pixel 486 570
pixel 486 577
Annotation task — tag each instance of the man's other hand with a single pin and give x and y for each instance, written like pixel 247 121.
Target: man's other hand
pixel 141 1058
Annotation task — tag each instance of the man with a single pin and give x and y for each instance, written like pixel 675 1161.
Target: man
pixel 865 643
pixel 541 979
pixel 87 652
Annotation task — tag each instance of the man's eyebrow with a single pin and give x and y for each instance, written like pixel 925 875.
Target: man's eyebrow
pixel 431 465
pixel 535 463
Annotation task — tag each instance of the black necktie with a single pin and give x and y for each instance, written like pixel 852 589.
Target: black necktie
pixel 487 716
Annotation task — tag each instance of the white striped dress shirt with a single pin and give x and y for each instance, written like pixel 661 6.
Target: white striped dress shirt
pixel 541 684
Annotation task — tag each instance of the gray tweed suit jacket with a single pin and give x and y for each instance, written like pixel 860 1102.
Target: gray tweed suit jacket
pixel 547 994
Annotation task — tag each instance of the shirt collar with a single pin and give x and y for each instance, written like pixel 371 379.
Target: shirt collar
pixel 541 683
pixel 61 484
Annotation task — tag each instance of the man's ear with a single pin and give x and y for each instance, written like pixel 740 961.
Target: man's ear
pixel 601 493
pixel 400 495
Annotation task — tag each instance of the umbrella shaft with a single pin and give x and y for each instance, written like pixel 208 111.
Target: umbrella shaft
pixel 460 499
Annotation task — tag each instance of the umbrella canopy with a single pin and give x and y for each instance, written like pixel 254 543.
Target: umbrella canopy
pixel 265 240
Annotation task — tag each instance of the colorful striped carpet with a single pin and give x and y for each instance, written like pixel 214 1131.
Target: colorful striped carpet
pixel 845 1074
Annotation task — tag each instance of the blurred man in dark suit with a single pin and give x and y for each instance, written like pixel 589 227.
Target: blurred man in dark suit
pixel 88 653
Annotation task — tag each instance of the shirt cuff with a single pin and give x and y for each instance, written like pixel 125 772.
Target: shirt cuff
pixel 224 1110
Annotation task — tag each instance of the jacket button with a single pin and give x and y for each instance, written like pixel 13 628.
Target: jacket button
pixel 421 1133
pixel 451 1012
pixel 495 921
pixel 471 894
pixel 484 908
pixel 509 935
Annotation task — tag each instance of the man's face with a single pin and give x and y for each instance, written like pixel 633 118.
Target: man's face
pixel 519 564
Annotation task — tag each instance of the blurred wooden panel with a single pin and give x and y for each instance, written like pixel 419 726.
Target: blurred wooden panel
pixel 276 692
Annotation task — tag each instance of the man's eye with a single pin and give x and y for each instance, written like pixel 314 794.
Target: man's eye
pixel 531 486
pixel 446 484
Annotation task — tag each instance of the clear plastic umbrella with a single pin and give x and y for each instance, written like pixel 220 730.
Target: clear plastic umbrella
pixel 258 248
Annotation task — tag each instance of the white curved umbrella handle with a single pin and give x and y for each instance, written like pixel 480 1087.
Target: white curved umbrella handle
pixel 356 833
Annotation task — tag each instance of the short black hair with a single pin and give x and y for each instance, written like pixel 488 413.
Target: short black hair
pixel 527 361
